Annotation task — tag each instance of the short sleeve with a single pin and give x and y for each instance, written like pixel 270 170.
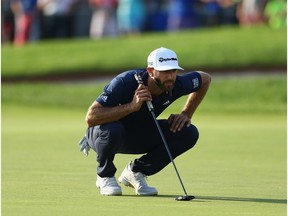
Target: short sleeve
pixel 114 93
pixel 119 91
pixel 190 82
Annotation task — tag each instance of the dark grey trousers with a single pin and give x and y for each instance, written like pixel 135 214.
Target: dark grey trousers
pixel 112 138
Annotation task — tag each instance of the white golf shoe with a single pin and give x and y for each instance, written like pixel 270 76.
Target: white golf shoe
pixel 136 181
pixel 108 186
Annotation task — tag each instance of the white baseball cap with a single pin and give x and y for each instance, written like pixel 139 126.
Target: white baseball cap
pixel 163 59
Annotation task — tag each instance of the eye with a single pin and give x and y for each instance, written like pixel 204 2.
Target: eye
pixel 170 71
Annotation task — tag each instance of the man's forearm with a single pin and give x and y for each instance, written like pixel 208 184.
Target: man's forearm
pixel 192 103
pixel 195 98
pixel 101 115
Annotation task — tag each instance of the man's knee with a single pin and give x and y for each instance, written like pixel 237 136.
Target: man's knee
pixel 186 140
pixel 195 134
pixel 192 135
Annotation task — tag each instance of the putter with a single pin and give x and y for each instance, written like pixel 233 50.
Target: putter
pixel 186 197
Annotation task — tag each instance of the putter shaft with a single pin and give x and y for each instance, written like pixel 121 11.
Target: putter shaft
pixel 167 148
pixel 151 109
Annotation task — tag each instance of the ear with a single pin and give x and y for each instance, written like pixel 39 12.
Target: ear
pixel 150 71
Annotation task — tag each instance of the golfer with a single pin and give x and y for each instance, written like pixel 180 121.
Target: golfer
pixel 120 122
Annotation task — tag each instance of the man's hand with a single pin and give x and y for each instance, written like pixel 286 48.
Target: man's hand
pixel 141 95
pixel 178 121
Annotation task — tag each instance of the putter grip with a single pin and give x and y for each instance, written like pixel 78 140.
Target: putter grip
pixel 140 81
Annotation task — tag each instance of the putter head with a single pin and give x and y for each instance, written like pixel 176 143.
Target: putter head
pixel 184 198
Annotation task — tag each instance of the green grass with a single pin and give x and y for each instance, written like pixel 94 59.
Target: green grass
pixel 238 167
pixel 248 94
pixel 216 48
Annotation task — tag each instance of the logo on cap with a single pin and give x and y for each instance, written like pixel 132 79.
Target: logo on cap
pixel 150 63
pixel 161 59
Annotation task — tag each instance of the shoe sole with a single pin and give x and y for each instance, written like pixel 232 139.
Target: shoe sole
pixel 115 193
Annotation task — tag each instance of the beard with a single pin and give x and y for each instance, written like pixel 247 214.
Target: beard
pixel 166 85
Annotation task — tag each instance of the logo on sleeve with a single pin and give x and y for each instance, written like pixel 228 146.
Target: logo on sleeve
pixel 166 103
pixel 195 83
pixel 104 98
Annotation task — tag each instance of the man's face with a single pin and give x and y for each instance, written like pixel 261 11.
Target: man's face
pixel 165 79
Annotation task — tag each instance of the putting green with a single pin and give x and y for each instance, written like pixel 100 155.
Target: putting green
pixel 238 167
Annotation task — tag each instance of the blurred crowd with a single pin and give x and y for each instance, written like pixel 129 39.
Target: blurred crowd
pixel 32 20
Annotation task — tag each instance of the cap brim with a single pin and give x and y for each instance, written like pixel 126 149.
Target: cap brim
pixel 164 68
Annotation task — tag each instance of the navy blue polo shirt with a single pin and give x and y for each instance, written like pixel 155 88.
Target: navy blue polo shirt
pixel 122 88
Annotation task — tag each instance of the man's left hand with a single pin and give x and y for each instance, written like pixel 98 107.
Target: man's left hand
pixel 178 121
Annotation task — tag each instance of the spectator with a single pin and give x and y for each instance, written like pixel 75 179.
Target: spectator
pixel 7 22
pixel 24 13
pixel 131 16
pixel 102 18
pixel 276 12
pixel 81 19
pixel 227 12
pixel 103 21
pixel 181 14
pixel 207 11
pixel 57 18
pixel 175 14
pixel 156 15
pixel 251 12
